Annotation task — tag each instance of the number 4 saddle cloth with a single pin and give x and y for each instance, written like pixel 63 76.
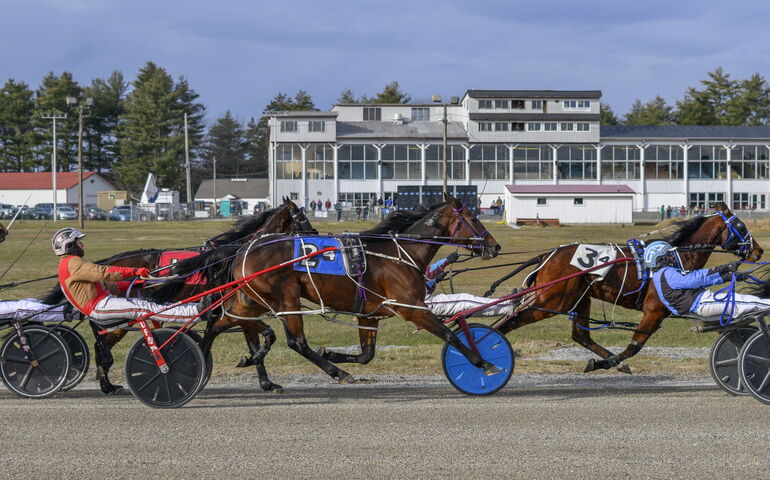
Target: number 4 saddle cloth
pixel 589 256
pixel 349 260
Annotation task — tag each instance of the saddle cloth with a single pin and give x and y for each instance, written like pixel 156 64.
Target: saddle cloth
pixel 350 259
pixel 589 256
pixel 172 257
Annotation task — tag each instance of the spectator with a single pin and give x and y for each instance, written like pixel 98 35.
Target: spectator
pixel 319 205
pixel 493 207
pixel 662 213
pixel 366 212
pixel 358 212
pixel 312 205
pixel 499 204
pixel 328 204
pixel 338 209
pixel 668 211
pixel 682 211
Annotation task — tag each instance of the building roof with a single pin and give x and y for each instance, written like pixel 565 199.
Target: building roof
pixel 41 180
pixel 407 130
pixel 237 187
pixel 578 94
pixel 533 116
pixel 302 114
pixel 567 189
pixel 684 132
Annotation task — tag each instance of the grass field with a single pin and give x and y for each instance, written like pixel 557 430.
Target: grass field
pixel 420 352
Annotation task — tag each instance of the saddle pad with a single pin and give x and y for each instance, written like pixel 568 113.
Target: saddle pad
pixel 172 257
pixel 589 256
pixel 330 263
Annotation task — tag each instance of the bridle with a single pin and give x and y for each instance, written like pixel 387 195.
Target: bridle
pixel 300 221
pixel 477 236
pixel 738 235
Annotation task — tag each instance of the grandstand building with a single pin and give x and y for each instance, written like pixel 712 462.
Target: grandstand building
pixel 512 137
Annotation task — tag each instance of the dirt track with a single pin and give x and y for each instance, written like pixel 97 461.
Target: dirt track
pixel 538 427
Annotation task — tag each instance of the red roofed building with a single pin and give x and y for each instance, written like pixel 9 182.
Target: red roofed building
pixel 15 187
pixel 569 203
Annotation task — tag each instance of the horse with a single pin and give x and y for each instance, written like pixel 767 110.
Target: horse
pixel 286 217
pixel 393 282
pixel 621 285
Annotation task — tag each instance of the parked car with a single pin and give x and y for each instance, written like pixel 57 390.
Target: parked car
pixel 48 207
pixel 65 212
pixel 35 213
pixel 94 213
pixel 7 211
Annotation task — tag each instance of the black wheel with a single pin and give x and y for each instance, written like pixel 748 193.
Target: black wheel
pixel 81 356
pixel 209 360
pixel 723 359
pixel 754 363
pixel 468 378
pixel 45 373
pixel 174 388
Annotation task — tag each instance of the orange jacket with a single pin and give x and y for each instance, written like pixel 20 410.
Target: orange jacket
pixel 81 281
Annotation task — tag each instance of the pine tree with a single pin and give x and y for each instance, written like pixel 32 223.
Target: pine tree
pixel 255 148
pixel 607 115
pixel 17 132
pixel 391 93
pixel 51 97
pixel 347 97
pixel 100 137
pixel 751 103
pixel 654 112
pixel 225 141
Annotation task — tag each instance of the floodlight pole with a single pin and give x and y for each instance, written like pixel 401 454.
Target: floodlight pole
pixel 54 117
pixel 446 122
pixel 80 106
pixel 187 165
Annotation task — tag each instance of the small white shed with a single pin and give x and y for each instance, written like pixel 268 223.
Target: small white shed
pixel 568 204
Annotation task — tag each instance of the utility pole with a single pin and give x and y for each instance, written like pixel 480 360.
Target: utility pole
pixel 187 166
pixel 446 122
pixel 81 106
pixel 215 186
pixel 54 117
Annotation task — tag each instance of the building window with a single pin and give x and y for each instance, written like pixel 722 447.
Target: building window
pixel 542 201
pixel 567 127
pixel 357 162
pixel 576 162
pixel 533 127
pixel 537 104
pixel 501 104
pixel 287 126
pixel 355 199
pixel 316 126
pixel 485 126
pixel 485 104
pixel 749 162
pixel 489 162
pixel 401 162
pixel 293 196
pixel 532 162
pixel 372 114
pixel 577 201
pixel 706 200
pixel 517 104
pixel 420 114
pixel 662 162
pixel 320 162
pixel 707 161
pixel 501 127
pixel 584 104
pixel 288 161
pixel 517 126
pixel 570 104
pixel 621 162
pixel 550 126
pixel 583 127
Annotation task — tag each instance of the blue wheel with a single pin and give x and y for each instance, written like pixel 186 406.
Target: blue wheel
pixel 470 379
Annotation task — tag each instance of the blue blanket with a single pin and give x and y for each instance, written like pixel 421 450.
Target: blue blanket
pixel 329 263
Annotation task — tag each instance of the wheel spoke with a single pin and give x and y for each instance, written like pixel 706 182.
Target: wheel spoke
pixel 47 356
pixel 727 362
pixel 20 360
pixel 47 375
pixel 146 362
pixel 179 356
pixel 25 378
pixel 765 383
pixel 147 384
pixel 168 389
pixel 758 359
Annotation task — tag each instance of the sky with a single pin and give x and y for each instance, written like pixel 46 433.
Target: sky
pixel 238 54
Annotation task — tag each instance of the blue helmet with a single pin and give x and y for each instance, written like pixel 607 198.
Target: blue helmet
pixel 655 252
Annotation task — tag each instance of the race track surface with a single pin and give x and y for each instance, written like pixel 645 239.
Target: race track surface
pixel 551 426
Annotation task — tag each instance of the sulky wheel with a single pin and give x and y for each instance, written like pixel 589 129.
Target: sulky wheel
pixel 41 375
pixel 469 379
pixel 80 358
pixel 209 360
pixel 723 360
pixel 180 384
pixel 754 363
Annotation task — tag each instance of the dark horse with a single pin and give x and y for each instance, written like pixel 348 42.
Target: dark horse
pixel 285 218
pixel 702 233
pixel 393 281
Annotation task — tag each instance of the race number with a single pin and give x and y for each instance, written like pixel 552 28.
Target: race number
pixel 589 256
pixel 309 249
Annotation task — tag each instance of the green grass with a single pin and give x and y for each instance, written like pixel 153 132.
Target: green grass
pixel 107 238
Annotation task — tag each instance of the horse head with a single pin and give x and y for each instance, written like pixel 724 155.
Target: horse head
pixel 465 224
pixel 299 222
pixel 734 235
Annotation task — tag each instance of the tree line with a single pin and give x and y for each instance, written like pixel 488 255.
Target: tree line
pixel 138 127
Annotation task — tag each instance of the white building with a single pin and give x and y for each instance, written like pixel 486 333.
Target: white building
pixel 253 191
pixel 569 203
pixel 15 187
pixel 512 137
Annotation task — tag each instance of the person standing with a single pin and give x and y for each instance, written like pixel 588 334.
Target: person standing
pixel 338 209
pixel 328 204
pixel 662 213
pixel 312 205
pixel 668 211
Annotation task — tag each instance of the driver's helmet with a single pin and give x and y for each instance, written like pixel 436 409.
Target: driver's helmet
pixel 65 240
pixel 655 253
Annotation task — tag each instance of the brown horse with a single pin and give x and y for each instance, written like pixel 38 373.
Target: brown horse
pixel 703 234
pixel 285 218
pixel 393 281
pixel 3 233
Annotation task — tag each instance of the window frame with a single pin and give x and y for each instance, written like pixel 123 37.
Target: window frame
pixel 312 126
pixel 368 111
pixel 284 126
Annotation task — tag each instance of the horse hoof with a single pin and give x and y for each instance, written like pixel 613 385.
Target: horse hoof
pixel 243 362
pixel 590 366
pixel 491 370
pixel 624 368
pixel 277 389
pixel 112 389
pixel 347 379
pixel 271 387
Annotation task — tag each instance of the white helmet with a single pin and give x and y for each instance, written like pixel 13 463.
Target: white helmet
pixel 655 252
pixel 65 239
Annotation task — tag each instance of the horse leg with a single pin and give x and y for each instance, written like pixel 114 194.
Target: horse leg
pixel 295 338
pixel 368 340
pixel 103 357
pixel 251 331
pixel 583 337
pixel 649 325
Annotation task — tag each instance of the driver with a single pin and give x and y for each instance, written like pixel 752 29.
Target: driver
pixel 448 305
pixel 682 292
pixel 81 282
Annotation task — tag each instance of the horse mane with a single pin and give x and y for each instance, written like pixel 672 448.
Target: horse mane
pixel 129 254
pixel 400 220
pixel 243 228
pixel 684 229
pixel 211 264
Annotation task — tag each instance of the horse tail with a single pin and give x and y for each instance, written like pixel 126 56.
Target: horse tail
pixel 53 296
pixel 528 263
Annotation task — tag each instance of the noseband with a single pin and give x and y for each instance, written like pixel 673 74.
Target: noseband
pixel 479 236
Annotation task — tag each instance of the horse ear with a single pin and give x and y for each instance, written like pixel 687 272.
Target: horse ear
pixel 450 200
